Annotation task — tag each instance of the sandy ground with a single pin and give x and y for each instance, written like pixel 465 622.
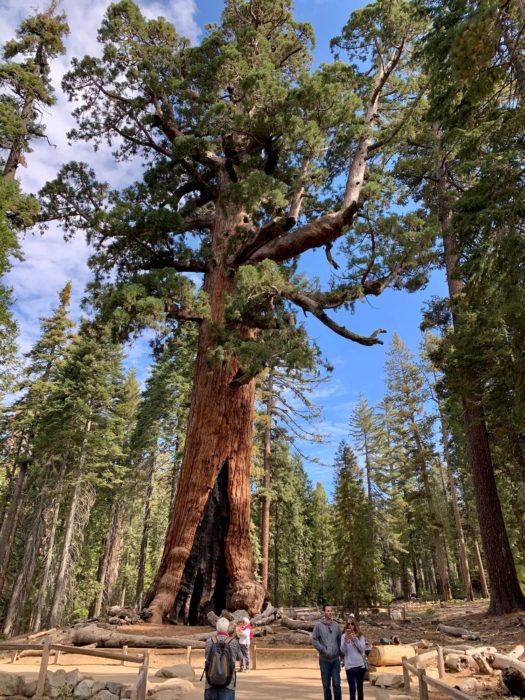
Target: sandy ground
pixel 276 677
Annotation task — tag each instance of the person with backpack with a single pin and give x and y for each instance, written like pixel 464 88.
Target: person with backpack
pixel 220 654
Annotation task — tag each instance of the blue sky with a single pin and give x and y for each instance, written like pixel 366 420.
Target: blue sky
pixel 50 262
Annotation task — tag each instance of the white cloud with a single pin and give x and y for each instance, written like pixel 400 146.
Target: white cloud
pixel 48 260
pixel 180 12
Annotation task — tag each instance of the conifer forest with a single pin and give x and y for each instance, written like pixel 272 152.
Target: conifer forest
pixel 266 193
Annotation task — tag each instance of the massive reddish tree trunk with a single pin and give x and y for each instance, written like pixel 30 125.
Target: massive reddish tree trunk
pixel 209 510
pixel 265 501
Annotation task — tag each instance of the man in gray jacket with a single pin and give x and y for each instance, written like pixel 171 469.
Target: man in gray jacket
pixel 326 638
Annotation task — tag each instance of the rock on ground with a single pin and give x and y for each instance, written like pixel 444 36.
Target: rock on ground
pixel 10 684
pixel 177 671
pixel 171 689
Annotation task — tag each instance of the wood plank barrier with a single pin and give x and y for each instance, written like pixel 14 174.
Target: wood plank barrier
pixel 139 691
pixel 410 667
pixel 40 684
pixel 47 648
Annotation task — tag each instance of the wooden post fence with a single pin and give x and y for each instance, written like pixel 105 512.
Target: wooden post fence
pixel 40 685
pixel 141 686
pixel 441 662
pixel 406 675
pixel 424 681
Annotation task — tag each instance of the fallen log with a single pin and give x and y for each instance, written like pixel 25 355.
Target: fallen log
pixel 304 625
pixel 426 658
pixel 506 661
pixel 94 634
pixel 309 616
pixel 464 650
pixel 480 650
pixel 266 617
pixel 517 652
pixel 483 664
pixel 42 633
pixel 457 632
pixel 459 648
pixel 38 652
pixel 460 662
pixel 475 685
pixel 390 655
pixel 296 639
pixel 263 621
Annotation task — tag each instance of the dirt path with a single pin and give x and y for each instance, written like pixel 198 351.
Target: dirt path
pixel 284 684
pixel 272 682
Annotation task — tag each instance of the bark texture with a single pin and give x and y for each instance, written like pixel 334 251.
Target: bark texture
pixel 265 500
pixel 505 591
pixel 218 441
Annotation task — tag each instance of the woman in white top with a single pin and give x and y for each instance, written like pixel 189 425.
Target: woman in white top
pixel 353 649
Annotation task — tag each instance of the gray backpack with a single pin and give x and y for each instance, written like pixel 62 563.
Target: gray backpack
pixel 220 665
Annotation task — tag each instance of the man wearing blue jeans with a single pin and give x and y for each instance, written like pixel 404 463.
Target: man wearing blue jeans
pixel 326 638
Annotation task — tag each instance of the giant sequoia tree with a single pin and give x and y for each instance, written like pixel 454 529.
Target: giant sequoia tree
pixel 250 160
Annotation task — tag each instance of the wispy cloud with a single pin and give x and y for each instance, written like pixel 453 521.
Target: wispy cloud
pixel 49 262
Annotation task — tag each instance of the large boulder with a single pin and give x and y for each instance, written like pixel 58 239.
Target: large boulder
pixel 105 695
pixel 28 688
pixel 387 680
pixel 73 677
pixel 55 683
pixel 114 687
pixel 10 684
pixel 84 689
pixel 177 671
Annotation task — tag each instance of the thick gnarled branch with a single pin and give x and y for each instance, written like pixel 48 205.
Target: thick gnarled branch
pixel 315 234
pixel 264 235
pixel 310 305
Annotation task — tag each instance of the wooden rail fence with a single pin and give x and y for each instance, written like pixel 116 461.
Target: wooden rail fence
pixel 138 691
pixel 410 667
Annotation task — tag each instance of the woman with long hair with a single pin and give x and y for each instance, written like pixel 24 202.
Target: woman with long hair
pixel 353 650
